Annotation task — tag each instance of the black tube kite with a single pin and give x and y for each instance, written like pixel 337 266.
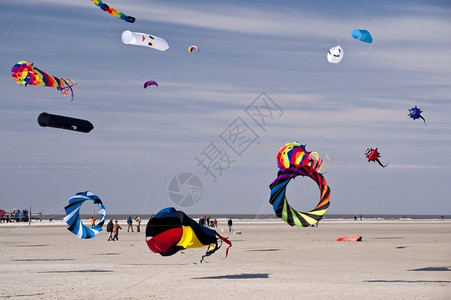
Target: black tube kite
pixel 62 122
pixel 170 231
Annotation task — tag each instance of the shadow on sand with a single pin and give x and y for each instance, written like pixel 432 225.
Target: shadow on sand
pixel 433 269
pixel 77 271
pixel 237 276
pixel 263 250
pixel 408 281
pixel 24 295
pixel 43 259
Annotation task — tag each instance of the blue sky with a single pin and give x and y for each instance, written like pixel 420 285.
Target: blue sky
pixel 142 138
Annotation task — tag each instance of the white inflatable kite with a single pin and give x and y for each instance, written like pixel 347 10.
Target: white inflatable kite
pixel 335 55
pixel 144 39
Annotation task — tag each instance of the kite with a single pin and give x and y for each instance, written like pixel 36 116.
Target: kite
pixel 335 55
pixel 170 231
pixel 192 48
pixel 150 82
pixel 415 113
pixel 356 238
pixel 62 122
pixel 363 35
pixel 295 155
pixel 113 12
pixel 72 217
pixel 279 200
pixel 144 39
pixel 25 73
pixel 373 155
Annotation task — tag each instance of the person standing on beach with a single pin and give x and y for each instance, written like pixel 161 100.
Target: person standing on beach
pixel 116 228
pixel 93 222
pixel 138 223
pixel 229 222
pixel 109 228
pixel 130 224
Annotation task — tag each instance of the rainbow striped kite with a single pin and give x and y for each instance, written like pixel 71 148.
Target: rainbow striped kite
pixel 24 73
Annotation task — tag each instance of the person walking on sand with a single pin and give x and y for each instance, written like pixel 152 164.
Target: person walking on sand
pixel 109 228
pixel 230 225
pixel 93 222
pixel 116 228
pixel 138 223
pixel 130 224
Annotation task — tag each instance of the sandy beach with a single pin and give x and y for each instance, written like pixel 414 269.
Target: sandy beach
pixel 397 259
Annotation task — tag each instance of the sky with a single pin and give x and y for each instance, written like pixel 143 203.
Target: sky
pixel 219 116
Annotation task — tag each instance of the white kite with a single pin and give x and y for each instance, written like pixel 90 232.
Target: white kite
pixel 144 39
pixel 335 55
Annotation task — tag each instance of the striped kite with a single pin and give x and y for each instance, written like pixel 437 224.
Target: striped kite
pixel 192 48
pixel 170 231
pixel 279 200
pixel 73 215
pixel 295 155
pixel 25 73
pixel 113 12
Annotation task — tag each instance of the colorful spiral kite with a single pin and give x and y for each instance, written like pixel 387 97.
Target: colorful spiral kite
pixel 73 215
pixel 113 11
pixel 295 155
pixel 279 200
pixel 25 73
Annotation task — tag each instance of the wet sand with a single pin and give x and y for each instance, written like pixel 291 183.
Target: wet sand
pixel 397 259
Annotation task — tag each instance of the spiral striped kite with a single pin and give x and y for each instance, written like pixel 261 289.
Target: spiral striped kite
pixel 279 200
pixel 113 12
pixel 73 215
pixel 25 73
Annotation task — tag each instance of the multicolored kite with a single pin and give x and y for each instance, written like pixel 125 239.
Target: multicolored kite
pixel 170 231
pixel 73 215
pixel 415 113
pixel 25 73
pixel 279 200
pixel 373 155
pixel 295 155
pixel 192 48
pixel 113 12
pixel 356 238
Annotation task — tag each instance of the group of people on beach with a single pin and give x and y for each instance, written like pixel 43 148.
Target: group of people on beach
pixel 206 221
pixel 113 228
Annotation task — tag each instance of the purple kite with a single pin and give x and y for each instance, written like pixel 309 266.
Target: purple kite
pixel 150 82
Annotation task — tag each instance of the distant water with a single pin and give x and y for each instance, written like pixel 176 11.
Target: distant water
pixel 260 217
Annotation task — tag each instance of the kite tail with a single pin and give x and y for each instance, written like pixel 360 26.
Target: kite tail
pixel 423 120
pixel 67 87
pixel 227 242
pixel 381 163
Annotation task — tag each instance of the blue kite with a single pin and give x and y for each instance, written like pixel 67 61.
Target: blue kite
pixel 362 35
pixel 72 217
pixel 415 113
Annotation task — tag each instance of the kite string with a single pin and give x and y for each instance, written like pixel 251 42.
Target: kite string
pixel 354 19
pixel 14 22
